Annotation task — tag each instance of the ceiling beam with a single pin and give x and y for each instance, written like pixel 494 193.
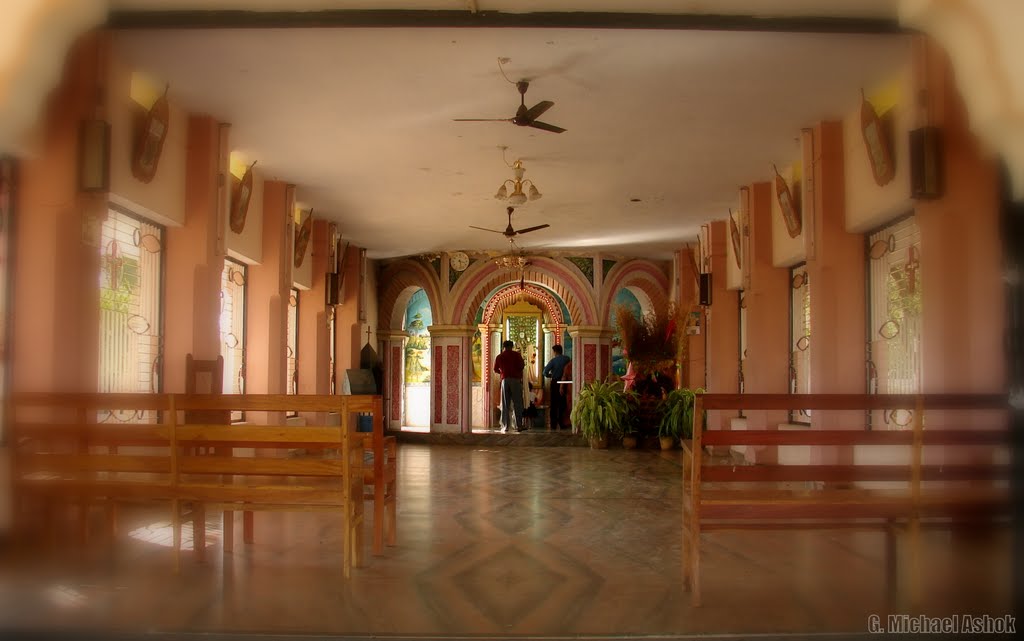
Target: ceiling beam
pixel 234 19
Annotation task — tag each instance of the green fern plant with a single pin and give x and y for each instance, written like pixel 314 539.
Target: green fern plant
pixel 602 408
pixel 676 411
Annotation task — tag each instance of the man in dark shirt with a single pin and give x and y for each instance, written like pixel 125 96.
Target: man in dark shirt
pixel 509 363
pixel 556 370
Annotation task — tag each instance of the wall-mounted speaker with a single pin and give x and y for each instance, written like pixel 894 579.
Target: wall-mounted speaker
pixel 705 289
pixel 926 175
pixel 332 287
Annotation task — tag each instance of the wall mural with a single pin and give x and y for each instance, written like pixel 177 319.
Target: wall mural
pixel 417 348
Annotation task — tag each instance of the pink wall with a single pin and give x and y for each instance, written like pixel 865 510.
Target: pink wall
pixel 55 324
pixel 723 326
pixel 193 264
pixel 766 369
pixel 314 342
pixel 269 287
pixel 836 273
pixel 693 372
pixel 350 337
pixel 961 256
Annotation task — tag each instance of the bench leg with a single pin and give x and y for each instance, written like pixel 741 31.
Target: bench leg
pixel 892 574
pixel 687 579
pixel 914 558
pixel 199 531
pixel 229 531
pixel 247 527
pixel 378 519
pixel 176 533
pixel 695 564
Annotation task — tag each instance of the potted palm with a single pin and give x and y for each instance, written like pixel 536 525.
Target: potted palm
pixel 602 408
pixel 676 411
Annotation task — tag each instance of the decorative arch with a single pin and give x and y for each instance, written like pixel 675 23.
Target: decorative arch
pixel 563 282
pixel 532 293
pixel 403 278
pixel 640 277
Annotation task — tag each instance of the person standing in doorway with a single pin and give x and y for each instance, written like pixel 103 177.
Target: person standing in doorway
pixel 557 368
pixel 509 363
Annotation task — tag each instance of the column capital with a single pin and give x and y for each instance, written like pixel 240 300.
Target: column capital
pixel 590 331
pixel 391 334
pixel 459 331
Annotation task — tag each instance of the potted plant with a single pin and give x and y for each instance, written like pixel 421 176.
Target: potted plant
pixel 676 416
pixel 602 408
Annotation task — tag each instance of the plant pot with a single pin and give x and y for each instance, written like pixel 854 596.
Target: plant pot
pixel 629 442
pixel 667 442
pixel 599 442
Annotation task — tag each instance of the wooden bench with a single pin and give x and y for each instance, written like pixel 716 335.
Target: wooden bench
pixel 72 450
pixel 937 483
pixel 87 450
pixel 247 467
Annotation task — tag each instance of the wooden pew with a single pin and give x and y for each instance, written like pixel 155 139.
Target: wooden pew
pixel 143 451
pixel 87 450
pixel 721 494
pixel 252 467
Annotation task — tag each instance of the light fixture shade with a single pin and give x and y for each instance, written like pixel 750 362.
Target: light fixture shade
pixel 534 194
pixel 518 171
pixel 517 197
pixel 502 193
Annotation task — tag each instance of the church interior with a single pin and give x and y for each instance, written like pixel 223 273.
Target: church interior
pixel 228 228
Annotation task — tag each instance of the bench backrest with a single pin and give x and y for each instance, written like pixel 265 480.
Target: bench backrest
pixel 913 468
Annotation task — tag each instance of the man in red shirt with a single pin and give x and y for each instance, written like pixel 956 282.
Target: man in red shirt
pixel 509 363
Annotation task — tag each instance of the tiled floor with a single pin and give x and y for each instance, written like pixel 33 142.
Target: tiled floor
pixel 503 541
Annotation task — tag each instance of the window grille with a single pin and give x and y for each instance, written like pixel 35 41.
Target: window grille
pixel 742 341
pixel 894 311
pixel 292 380
pixel 233 292
pixel 131 302
pixel 800 338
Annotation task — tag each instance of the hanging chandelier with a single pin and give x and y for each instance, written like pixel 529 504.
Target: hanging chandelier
pixel 518 197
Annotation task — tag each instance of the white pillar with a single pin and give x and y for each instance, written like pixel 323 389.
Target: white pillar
pixel 393 357
pixel 451 377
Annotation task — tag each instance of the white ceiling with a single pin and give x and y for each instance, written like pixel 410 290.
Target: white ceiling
pixel 361 119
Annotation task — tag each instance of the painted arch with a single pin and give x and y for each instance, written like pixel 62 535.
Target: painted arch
pixel 402 280
pixel 562 281
pixel 645 279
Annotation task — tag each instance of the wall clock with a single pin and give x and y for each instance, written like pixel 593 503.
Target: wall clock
pixel 459 261
pixel 149 141
pixel 240 195
pixel 790 210
pixel 878 143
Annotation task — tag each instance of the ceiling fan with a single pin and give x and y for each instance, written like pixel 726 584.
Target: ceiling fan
pixel 524 117
pixel 510 232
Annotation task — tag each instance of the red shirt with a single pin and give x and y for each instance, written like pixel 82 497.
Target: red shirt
pixel 509 364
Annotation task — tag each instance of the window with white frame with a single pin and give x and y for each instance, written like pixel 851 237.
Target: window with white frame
pixel 232 328
pixel 894 317
pixel 800 338
pixel 131 302
pixel 292 385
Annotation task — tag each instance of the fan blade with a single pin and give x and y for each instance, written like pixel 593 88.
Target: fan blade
pixel 485 229
pixel 482 119
pixel 535 111
pixel 545 126
pixel 529 229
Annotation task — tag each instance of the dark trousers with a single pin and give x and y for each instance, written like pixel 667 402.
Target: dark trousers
pixel 556 406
